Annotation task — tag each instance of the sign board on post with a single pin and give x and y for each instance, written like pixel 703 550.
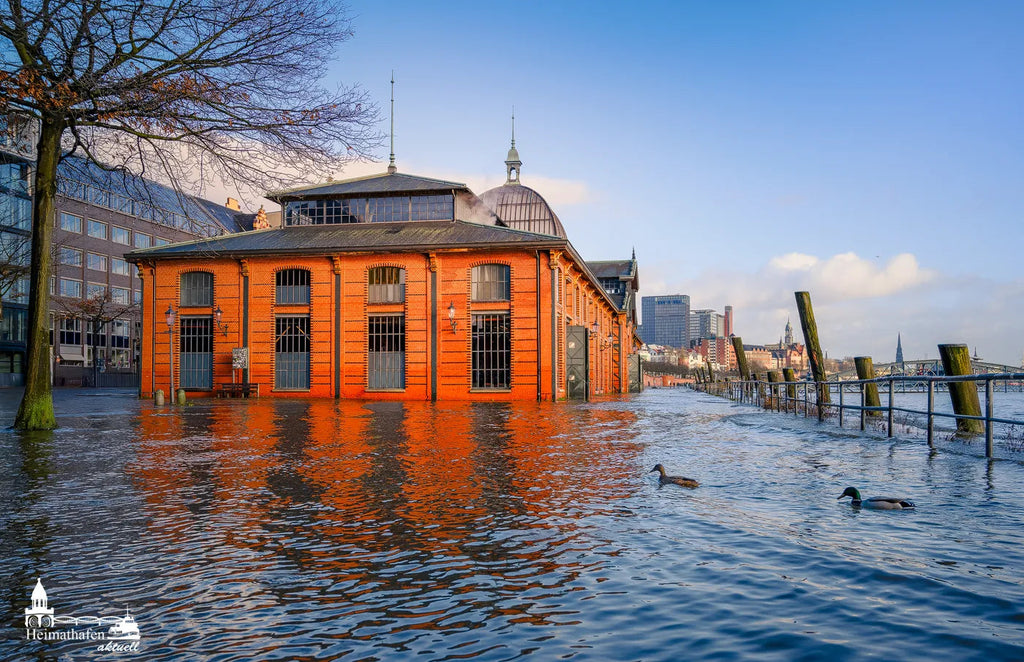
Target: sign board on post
pixel 240 358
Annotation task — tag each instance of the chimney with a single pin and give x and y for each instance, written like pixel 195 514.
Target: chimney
pixel 233 204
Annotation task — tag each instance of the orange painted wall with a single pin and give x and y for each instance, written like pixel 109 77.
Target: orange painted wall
pixel 531 308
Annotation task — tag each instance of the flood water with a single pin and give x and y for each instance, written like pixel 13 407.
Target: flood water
pixel 322 530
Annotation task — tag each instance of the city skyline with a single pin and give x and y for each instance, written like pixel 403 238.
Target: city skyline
pixel 869 155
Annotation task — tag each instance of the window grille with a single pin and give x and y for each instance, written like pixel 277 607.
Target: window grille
pixel 387 285
pixel 386 352
pixel 197 289
pixel 291 359
pixel 293 286
pixel 491 282
pixel 196 352
pixel 491 350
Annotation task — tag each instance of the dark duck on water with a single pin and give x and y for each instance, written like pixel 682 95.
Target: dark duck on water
pixel 672 480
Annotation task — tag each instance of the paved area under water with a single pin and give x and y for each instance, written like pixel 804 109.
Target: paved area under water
pixel 314 529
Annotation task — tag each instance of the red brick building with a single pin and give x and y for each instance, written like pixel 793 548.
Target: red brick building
pixel 386 287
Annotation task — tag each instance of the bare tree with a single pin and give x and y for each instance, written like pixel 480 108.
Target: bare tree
pixel 178 90
pixel 96 311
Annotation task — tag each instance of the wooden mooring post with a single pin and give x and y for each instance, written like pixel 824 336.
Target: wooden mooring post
pixel 956 360
pixel 866 370
pixel 814 353
pixel 773 389
pixel 789 375
pixel 741 358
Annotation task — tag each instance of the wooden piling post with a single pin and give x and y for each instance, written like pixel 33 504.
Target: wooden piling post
pixel 956 360
pixel 774 377
pixel 866 370
pixel 814 353
pixel 741 358
pixel 789 375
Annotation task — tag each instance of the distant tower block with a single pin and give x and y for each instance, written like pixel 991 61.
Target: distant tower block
pixel 728 322
pixel 38 615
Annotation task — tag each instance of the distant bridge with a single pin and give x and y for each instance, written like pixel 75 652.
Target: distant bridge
pixel 929 367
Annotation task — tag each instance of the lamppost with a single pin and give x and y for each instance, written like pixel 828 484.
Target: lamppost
pixel 170 348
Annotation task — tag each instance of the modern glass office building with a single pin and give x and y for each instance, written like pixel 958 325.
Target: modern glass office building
pixel 665 320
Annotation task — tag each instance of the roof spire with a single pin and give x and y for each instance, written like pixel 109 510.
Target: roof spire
pixel 392 168
pixel 512 163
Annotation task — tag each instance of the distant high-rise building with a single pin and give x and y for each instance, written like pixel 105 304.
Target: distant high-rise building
pixel 665 320
pixel 706 324
pixel 728 321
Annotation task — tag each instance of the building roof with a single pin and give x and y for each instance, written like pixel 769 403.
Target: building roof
pixel 370 185
pixel 523 208
pixel 147 198
pixel 352 237
pixel 621 269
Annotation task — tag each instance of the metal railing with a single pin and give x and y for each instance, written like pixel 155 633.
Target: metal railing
pixel 804 397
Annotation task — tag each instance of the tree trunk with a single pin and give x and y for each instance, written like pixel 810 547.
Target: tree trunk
pixel 36 410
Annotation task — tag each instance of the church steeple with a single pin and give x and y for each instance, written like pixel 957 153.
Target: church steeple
pixel 899 350
pixel 512 163
pixel 789 332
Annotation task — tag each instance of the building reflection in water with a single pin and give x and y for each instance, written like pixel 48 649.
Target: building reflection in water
pixel 429 516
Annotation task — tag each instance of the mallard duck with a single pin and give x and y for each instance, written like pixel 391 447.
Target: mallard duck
pixel 875 503
pixel 674 480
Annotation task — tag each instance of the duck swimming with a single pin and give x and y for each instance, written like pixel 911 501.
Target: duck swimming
pixel 674 480
pixel 875 503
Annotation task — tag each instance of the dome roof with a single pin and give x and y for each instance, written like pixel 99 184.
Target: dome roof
pixel 522 208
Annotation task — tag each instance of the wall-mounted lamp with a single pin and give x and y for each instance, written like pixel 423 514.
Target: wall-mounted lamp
pixel 217 316
pixel 451 317
pixel 593 329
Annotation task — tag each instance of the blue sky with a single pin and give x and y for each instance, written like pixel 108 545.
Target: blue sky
pixel 870 152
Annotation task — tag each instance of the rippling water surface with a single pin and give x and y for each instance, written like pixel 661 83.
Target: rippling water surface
pixel 308 530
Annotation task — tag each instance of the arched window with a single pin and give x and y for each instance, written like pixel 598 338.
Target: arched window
pixel 386 285
pixel 197 288
pixel 491 282
pixel 293 286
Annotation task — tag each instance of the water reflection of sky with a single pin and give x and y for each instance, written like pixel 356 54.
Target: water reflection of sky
pixel 295 529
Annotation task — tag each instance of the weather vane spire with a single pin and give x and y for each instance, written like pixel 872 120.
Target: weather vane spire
pixel 513 127
pixel 392 168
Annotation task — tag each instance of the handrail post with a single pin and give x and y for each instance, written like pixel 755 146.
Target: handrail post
pixel 891 383
pixel 840 404
pixel 931 412
pixel 805 398
pixel 819 390
pixel 988 418
pixel 862 406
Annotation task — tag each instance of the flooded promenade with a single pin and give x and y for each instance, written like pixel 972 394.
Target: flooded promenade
pixel 320 530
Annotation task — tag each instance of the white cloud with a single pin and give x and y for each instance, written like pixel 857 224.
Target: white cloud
pixel 860 304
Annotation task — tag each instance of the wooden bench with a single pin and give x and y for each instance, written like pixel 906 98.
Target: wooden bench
pixel 239 390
